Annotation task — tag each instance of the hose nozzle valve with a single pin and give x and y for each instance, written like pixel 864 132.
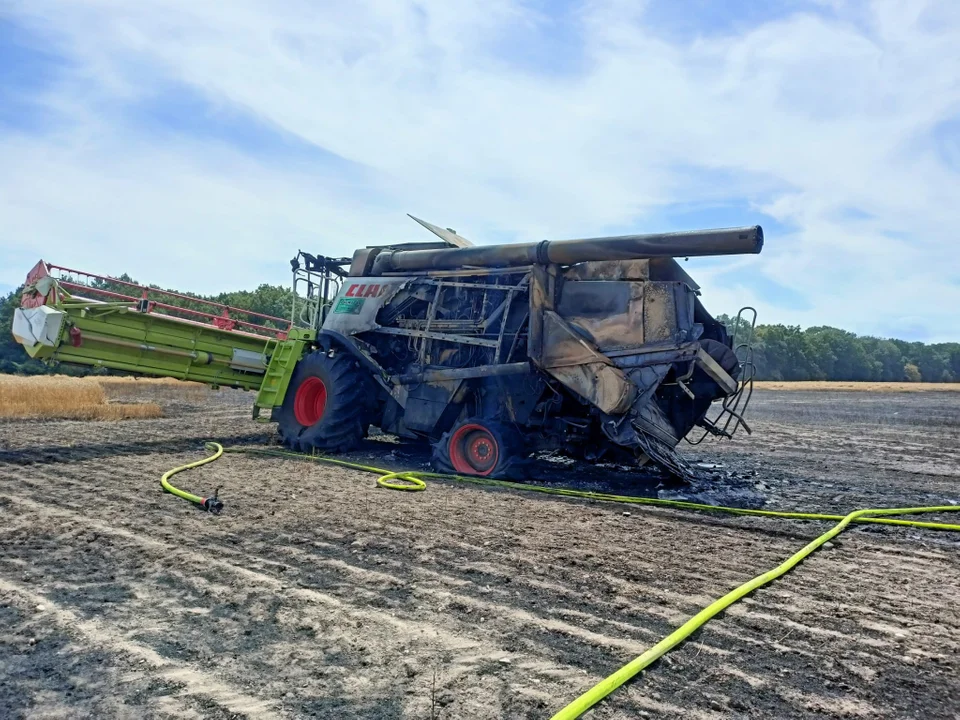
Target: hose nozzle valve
pixel 213 504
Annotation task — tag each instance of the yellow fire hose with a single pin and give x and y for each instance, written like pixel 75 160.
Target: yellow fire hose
pixel 412 481
pixel 211 504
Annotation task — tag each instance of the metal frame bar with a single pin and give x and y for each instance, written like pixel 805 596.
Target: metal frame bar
pixel 157 291
pixel 441 374
pixel 175 308
pixel 436 336
pixel 476 286
pixel 461 271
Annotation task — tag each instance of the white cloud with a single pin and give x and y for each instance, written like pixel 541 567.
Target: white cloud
pixel 825 122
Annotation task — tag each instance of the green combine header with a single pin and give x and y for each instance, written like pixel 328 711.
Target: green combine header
pixel 85 319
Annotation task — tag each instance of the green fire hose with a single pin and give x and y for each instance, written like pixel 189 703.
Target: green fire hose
pixel 412 481
pixel 210 504
pixel 605 687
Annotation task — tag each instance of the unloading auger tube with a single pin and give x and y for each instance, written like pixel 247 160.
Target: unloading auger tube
pixel 412 480
pixel 698 243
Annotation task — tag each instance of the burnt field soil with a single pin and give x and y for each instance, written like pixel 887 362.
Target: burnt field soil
pixel 316 594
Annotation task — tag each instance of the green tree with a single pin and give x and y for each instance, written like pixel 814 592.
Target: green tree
pixel 840 355
pixel 741 330
pixel 886 357
pixel 934 365
pixel 783 353
pixel 274 300
pixel 953 350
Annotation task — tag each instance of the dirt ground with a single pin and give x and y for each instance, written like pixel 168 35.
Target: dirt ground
pixel 316 594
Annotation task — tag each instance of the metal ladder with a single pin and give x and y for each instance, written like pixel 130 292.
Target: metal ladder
pixel 278 374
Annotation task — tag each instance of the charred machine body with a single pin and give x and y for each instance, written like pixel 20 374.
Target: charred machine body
pixel 600 348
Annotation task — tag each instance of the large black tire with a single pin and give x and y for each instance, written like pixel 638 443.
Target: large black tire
pixel 327 406
pixel 725 357
pixel 481 447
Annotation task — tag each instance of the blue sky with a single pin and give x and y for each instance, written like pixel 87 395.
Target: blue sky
pixel 199 145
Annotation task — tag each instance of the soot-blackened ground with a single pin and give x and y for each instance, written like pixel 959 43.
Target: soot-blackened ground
pixel 316 594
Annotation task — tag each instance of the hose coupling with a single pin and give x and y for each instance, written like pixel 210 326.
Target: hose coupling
pixel 213 504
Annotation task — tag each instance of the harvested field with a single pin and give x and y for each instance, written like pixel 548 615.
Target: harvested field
pixel 60 396
pixel 845 386
pixel 317 595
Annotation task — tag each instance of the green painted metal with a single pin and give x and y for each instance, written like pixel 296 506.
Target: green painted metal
pixel 116 336
pixel 277 378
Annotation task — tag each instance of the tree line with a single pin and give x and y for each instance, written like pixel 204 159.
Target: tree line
pixel 781 352
pixel 785 352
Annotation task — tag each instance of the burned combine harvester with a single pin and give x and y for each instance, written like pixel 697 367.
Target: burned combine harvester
pixel 600 348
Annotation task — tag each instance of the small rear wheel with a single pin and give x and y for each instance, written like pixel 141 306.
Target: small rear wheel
pixel 327 405
pixel 481 447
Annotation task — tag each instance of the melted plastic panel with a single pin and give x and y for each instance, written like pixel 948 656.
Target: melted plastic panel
pixel 37 326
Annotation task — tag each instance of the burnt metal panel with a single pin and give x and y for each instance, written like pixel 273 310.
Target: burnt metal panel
pixel 685 299
pixel 515 396
pixel 582 368
pixel 362 265
pixel 466 272
pixel 653 355
pixel 543 293
pixel 436 373
pixel 429 404
pixel 669 270
pixel 609 270
pixel 448 235
pixel 610 314
pixel 660 312
pixel 647 379
pixel 463 339
pixel 716 372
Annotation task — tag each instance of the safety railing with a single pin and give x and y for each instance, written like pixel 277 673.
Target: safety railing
pixel 224 317
pixel 734 406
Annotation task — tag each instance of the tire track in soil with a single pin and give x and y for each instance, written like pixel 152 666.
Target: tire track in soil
pixel 275 538
pixel 336 614
pixel 369 583
pixel 191 680
pixel 662 617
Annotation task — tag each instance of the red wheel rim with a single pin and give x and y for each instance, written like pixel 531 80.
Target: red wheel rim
pixel 474 450
pixel 310 401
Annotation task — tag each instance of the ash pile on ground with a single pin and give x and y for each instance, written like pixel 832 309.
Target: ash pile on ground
pixel 713 483
pixel 716 484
